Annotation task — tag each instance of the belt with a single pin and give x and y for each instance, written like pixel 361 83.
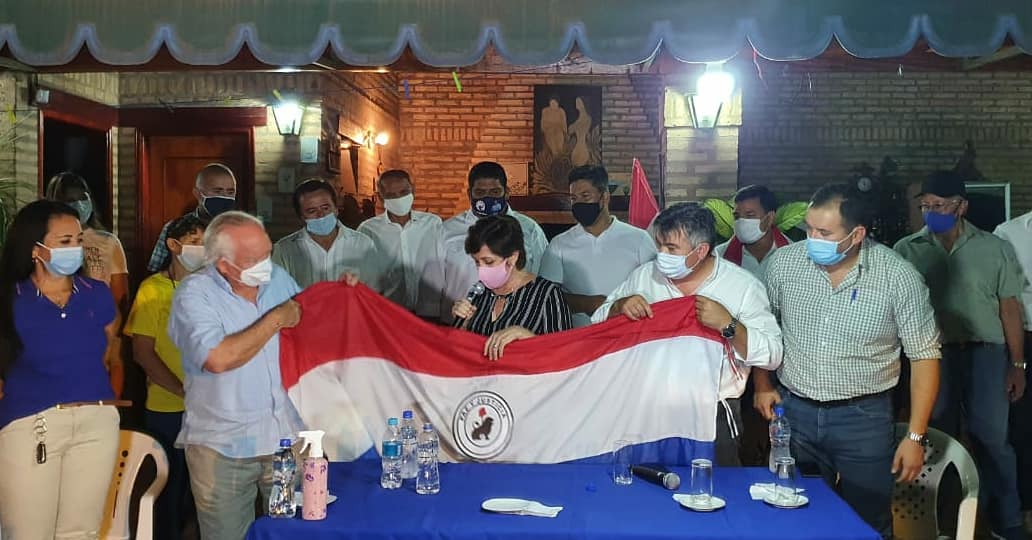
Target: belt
pixel 838 402
pixel 101 403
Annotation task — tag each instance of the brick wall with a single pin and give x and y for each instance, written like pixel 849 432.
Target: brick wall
pixel 444 132
pixel 802 130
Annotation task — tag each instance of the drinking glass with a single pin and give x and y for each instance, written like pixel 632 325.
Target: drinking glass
pixel 784 481
pixel 622 462
pixel 702 482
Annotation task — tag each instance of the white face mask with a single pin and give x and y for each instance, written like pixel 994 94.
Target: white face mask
pixel 400 206
pixel 675 266
pixel 192 258
pixel 748 231
pixel 257 275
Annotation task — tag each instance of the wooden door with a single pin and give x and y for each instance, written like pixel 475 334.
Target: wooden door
pixel 171 165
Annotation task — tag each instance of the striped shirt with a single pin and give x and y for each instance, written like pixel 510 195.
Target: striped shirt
pixel 538 306
pixel 844 342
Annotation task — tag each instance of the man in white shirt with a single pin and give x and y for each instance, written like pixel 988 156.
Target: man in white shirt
pixel 756 231
pixel 727 299
pixel 598 253
pixel 404 238
pixel 451 272
pixel 325 249
pixel 1018 232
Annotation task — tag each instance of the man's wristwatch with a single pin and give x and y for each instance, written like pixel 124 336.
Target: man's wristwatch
pixel 728 332
pixel 918 438
pixel 1019 365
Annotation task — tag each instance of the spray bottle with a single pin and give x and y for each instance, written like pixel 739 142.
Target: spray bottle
pixel 313 485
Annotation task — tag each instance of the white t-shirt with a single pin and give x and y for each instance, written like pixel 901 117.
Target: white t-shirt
pixel 308 263
pixel 451 272
pixel 585 264
pixel 403 252
pixel 1018 232
pixel 738 291
pixel 102 255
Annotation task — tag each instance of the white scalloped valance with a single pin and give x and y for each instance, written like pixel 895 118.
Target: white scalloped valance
pixel 446 33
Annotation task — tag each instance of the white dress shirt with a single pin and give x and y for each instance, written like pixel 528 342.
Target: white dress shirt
pixel 756 268
pixel 308 263
pixel 403 253
pixel 734 288
pixel 1018 232
pixel 592 265
pixel 451 272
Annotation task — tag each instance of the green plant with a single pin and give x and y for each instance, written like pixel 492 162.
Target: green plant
pixel 788 216
pixel 8 207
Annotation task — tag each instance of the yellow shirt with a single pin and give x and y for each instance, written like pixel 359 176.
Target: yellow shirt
pixel 149 317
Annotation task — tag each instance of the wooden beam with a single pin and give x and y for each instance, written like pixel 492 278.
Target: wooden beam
pixel 1002 54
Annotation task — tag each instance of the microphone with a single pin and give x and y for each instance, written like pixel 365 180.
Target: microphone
pixel 667 479
pixel 476 290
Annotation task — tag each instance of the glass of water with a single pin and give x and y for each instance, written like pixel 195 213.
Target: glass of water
pixel 784 481
pixel 622 462
pixel 702 482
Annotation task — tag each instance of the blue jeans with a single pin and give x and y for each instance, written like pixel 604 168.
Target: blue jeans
pixel 854 441
pixel 972 387
pixel 171 507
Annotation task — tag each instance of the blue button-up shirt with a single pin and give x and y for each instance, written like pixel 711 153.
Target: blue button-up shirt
pixel 243 412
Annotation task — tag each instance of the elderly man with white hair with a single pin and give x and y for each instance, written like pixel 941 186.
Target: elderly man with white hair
pixel 225 321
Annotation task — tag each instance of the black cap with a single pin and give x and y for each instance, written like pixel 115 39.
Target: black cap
pixel 943 184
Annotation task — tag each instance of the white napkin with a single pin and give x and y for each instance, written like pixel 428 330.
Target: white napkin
pixel 759 491
pixel 539 510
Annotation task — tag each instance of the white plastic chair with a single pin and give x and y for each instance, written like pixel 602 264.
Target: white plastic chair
pixel 914 504
pixel 133 448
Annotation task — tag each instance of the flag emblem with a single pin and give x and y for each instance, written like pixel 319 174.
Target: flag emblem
pixel 482 425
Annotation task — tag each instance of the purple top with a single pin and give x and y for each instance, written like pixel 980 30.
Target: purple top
pixel 63 356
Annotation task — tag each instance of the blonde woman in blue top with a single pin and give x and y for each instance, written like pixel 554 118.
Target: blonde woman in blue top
pixel 58 428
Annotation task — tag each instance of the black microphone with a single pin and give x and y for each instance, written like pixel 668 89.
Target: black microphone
pixel 476 290
pixel 667 479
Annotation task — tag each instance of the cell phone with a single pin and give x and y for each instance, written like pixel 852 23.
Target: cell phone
pixel 809 469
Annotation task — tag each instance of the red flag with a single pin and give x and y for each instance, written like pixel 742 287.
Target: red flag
pixel 643 206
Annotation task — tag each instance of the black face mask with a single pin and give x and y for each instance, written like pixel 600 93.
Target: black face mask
pixel 489 206
pixel 217 204
pixel 586 213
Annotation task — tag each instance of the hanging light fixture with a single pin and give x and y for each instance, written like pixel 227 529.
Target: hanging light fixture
pixel 288 114
pixel 713 88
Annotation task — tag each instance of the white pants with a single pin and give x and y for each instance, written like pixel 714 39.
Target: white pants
pixel 64 497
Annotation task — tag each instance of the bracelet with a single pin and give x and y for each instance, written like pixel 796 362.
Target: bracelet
pixel 1019 365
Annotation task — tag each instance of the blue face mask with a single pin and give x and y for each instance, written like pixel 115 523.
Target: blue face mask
pixel 825 252
pixel 939 223
pixel 63 261
pixel 217 204
pixel 489 206
pixel 322 226
pixel 84 208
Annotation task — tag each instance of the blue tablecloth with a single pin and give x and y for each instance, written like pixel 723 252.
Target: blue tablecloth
pixel 594 507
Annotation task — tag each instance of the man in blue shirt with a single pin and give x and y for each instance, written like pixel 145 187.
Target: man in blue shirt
pixel 226 321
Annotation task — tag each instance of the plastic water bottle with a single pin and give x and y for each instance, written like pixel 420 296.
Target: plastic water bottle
pixel 390 477
pixel 281 500
pixel 428 479
pixel 780 436
pixel 408 446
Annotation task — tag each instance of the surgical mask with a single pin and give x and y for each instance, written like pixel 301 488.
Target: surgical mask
pixel 494 276
pixel 84 208
pixel 400 206
pixel 257 275
pixel 63 261
pixel 586 213
pixel 217 204
pixel 489 206
pixel 748 230
pixel 674 266
pixel 825 252
pixel 322 226
pixel 939 223
pixel 192 258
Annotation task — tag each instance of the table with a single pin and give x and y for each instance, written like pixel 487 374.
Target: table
pixel 594 508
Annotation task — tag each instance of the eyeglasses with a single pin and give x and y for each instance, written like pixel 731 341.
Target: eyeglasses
pixel 938 208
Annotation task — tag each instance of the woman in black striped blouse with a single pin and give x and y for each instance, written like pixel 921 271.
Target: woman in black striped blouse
pixel 517 304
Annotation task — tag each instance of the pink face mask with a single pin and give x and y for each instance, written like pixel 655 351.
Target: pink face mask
pixel 494 276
